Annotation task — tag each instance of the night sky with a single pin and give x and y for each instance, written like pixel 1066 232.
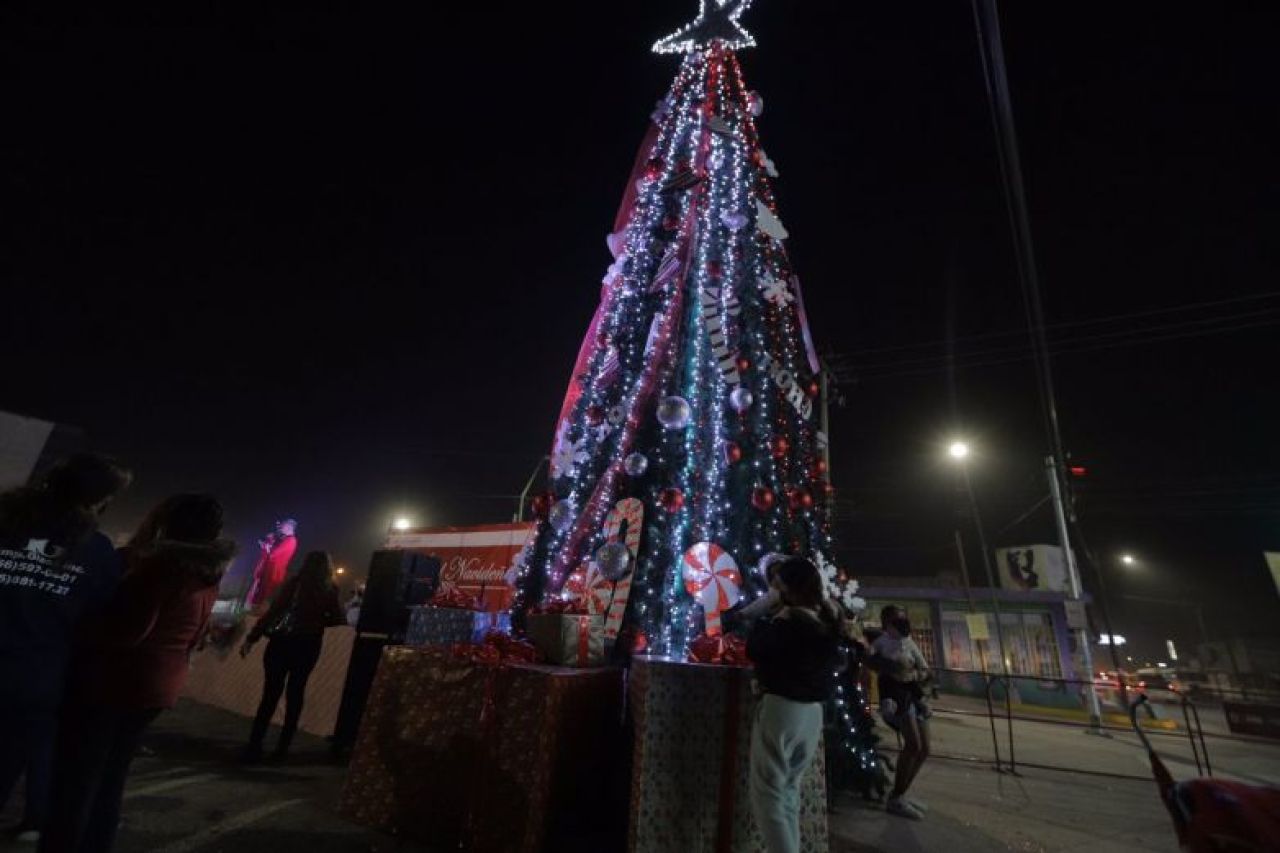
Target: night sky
pixel 335 260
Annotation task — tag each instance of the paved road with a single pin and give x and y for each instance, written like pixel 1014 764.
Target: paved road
pixel 190 796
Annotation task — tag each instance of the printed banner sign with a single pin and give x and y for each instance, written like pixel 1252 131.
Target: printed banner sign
pixel 473 560
pixel 1032 568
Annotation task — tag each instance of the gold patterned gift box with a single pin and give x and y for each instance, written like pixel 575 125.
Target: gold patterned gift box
pixel 512 757
pixel 690 765
pixel 568 639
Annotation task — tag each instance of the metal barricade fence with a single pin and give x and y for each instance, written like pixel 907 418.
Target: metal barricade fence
pixel 1038 711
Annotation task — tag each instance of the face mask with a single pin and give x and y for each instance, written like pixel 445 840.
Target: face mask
pixel 903 626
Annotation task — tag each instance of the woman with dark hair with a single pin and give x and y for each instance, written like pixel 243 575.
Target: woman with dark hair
pixel 133 666
pixel 903 673
pixel 303 608
pixel 795 651
pixel 58 571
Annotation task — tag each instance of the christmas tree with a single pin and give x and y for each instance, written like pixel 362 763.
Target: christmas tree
pixel 688 445
pixel 687 450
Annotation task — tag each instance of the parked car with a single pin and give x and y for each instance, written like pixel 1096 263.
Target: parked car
pixel 1161 684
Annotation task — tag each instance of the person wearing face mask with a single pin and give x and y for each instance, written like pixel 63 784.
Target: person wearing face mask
pixel 902 674
pixel 795 650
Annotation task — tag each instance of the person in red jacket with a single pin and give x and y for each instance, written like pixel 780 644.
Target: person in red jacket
pixel 132 666
pixel 272 567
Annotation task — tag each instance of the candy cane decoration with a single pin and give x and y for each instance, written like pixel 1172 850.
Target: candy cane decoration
pixel 575 586
pixel 630 510
pixel 711 576
pixel 599 592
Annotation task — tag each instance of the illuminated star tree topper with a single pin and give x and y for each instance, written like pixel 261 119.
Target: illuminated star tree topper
pixel 717 21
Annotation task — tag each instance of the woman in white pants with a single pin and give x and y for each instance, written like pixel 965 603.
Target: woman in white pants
pixel 795 652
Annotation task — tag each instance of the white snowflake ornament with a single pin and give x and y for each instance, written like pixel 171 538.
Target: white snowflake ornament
pixel 565 454
pixel 776 291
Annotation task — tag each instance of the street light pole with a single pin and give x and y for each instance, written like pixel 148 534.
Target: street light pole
pixel 524 494
pixel 1073 574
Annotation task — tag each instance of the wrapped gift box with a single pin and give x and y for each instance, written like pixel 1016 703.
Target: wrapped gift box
pixel 445 626
pixel 460 754
pixel 690 767
pixel 568 639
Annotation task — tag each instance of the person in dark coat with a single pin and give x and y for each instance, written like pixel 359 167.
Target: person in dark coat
pixel 303 608
pixel 56 572
pixel 133 666
pixel 796 651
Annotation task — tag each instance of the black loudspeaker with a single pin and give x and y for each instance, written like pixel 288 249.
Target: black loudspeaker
pixel 365 655
pixel 397 581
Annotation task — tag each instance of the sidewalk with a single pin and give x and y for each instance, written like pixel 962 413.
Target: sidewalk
pixel 973 808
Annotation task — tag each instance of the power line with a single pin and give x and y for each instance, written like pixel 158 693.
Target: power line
pixel 1091 321
pixel 941 365
pixel 1097 336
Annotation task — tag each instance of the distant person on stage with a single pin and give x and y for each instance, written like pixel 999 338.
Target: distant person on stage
pixel 277 549
pixel 59 572
pixel 294 625
pixel 132 666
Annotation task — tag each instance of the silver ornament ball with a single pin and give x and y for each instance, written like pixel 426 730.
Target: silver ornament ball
pixel 741 399
pixel 613 559
pixel 561 515
pixel 635 464
pixel 674 412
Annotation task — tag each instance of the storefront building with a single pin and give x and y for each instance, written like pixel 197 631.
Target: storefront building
pixel 956 630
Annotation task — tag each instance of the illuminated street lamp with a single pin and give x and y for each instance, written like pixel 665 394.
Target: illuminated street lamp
pixel 402 523
pixel 1128 559
pixel 959 450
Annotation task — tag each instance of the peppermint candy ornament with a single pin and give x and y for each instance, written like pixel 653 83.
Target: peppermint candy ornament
pixel 711 576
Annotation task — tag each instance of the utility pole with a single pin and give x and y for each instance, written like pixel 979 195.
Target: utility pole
pixel 1073 574
pixel 824 414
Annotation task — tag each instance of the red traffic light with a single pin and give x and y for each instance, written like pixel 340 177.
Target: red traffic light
pixel 1078 471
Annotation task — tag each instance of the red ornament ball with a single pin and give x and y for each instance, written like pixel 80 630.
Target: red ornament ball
pixel 671 499
pixel 714 269
pixel 819 468
pixel 779 446
pixel 653 169
pixel 744 364
pixel 732 452
pixel 814 388
pixel 541 504
pixel 639 642
pixel 798 498
pixel 762 498
pixel 595 415
pixel 670 222
pixel 827 489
